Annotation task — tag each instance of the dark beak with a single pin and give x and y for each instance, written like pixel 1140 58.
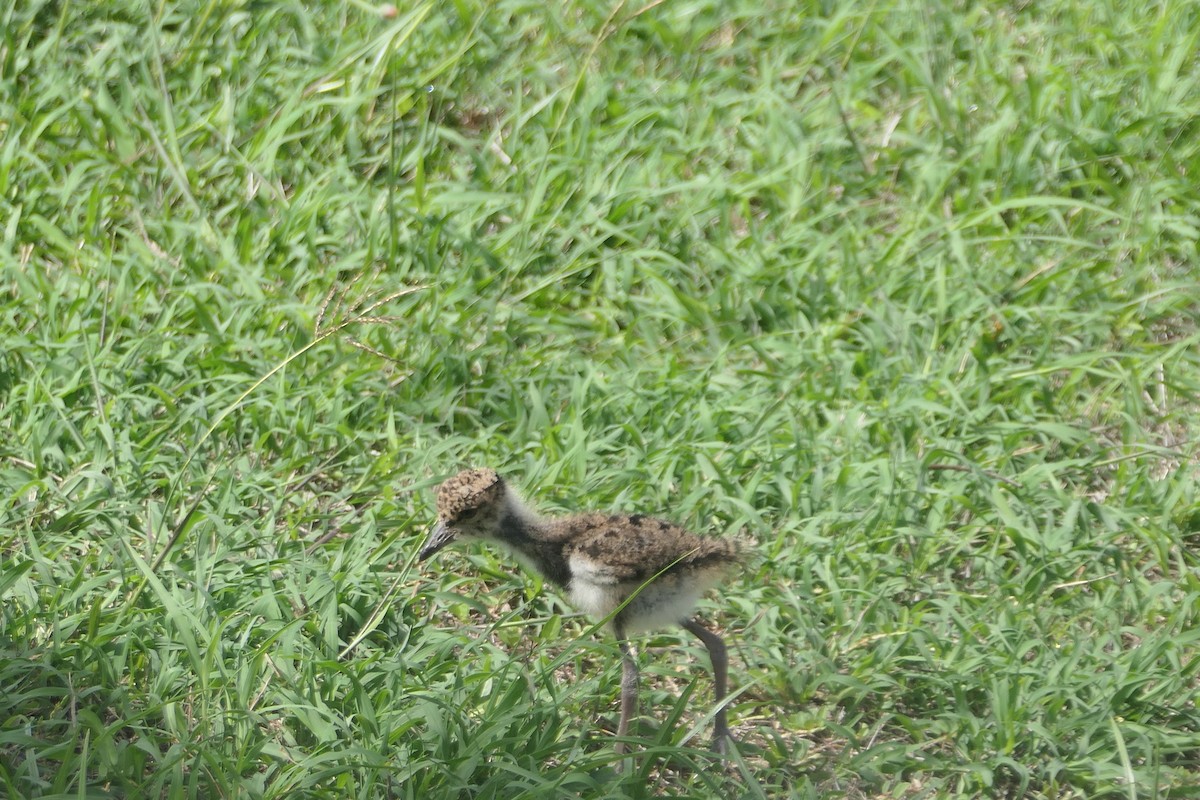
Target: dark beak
pixel 440 537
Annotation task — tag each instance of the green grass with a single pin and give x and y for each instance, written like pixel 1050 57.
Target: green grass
pixel 906 293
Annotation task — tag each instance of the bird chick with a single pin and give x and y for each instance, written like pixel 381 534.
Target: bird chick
pixel 641 571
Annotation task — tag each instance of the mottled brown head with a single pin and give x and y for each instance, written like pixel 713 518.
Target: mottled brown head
pixel 466 492
pixel 468 505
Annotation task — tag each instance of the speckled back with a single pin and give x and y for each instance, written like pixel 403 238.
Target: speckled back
pixel 634 547
pixel 468 491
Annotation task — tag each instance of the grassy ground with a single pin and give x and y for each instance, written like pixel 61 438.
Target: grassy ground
pixel 904 292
